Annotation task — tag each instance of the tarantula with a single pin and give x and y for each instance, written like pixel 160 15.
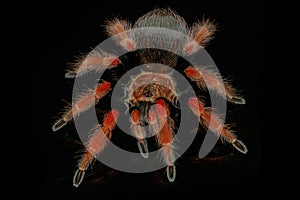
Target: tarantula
pixel 154 85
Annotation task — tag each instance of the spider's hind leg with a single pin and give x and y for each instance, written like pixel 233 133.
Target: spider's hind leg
pixel 202 32
pixel 119 30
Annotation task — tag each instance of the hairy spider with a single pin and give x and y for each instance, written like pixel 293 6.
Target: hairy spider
pixel 151 94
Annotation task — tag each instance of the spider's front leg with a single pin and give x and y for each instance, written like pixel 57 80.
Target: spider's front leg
pixel 84 103
pixel 163 126
pixel 206 118
pixel 207 78
pixel 96 144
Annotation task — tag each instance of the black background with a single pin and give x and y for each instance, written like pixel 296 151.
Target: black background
pixel 62 32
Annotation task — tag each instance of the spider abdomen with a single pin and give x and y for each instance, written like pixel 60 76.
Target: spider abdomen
pixel 147 33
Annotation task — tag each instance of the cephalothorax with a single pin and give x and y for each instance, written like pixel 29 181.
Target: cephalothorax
pixel 153 86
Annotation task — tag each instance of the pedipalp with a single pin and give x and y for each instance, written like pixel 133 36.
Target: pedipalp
pixel 163 126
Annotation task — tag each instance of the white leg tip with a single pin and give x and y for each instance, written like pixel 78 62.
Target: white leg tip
pixel 78 177
pixel 240 146
pixel 143 147
pixel 237 100
pixel 70 74
pixel 59 124
pixel 171 173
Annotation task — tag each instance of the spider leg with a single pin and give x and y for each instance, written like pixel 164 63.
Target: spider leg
pixel 162 124
pixel 201 33
pixel 117 28
pixel 207 118
pixel 95 60
pixel 96 144
pixel 139 132
pixel 207 78
pixel 85 102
